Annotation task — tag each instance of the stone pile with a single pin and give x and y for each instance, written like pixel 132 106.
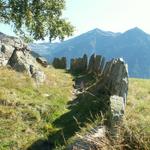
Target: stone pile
pixel 22 61
pixel 60 63
pixel 16 54
pixel 112 80
pixel 7 44
pixel 79 64
pixel 42 61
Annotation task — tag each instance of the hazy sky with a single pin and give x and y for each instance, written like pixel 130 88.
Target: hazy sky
pixel 112 15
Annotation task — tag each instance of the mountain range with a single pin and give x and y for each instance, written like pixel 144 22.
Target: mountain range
pixel 133 46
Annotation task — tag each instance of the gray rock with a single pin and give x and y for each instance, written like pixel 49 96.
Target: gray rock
pixel 96 64
pixel 22 61
pixel 39 76
pixel 3 60
pixel 63 63
pixel 16 54
pixel 85 62
pixel 91 63
pixel 42 61
pixel 116 78
pixel 117 106
pixel 7 45
pixel 102 63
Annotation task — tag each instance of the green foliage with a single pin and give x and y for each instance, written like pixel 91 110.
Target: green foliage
pixel 36 18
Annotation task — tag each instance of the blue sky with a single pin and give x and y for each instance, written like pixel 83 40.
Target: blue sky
pixel 112 15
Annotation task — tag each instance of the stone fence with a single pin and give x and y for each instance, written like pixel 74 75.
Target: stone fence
pixel 81 65
pixel 112 76
pixel 60 63
pixel 112 82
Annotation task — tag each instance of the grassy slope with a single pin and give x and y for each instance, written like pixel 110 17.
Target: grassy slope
pixel 27 110
pixel 134 133
pixel 137 116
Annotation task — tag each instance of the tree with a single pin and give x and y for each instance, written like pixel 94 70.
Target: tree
pixel 36 18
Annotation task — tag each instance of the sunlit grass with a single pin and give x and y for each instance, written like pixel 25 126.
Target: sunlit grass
pixel 137 116
pixel 134 132
pixel 27 109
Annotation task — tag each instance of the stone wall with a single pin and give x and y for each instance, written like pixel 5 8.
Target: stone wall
pixel 112 84
pixel 60 63
pixel 112 76
pixel 79 65
pixel 96 64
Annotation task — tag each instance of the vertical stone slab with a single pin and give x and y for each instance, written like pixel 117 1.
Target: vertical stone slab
pixel 96 66
pixel 102 65
pixel 79 65
pixel 85 62
pixel 91 63
pixel 116 78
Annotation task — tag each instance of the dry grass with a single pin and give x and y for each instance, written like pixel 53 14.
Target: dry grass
pixel 137 116
pixel 27 110
pixel 132 134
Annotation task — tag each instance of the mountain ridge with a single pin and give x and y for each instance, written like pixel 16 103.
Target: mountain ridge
pixel 133 45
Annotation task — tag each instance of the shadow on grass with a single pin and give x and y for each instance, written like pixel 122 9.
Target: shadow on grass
pixel 82 110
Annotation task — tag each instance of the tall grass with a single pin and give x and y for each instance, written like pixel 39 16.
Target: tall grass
pixel 27 110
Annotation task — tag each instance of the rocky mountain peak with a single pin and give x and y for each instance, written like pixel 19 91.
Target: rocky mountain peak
pixel 99 32
pixel 135 31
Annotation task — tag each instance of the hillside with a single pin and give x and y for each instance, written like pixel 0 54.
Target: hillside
pixel 29 112
pixel 133 45
pixel 137 118
pixel 133 133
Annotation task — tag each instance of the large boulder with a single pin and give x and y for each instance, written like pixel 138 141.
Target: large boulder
pixel 115 77
pixel 22 61
pixel 15 53
pixel 7 45
pixel 42 61
pixel 3 60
